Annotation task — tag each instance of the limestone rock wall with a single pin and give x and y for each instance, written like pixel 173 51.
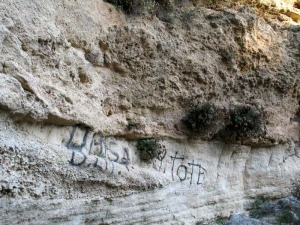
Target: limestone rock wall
pixel 73 73
pixel 77 176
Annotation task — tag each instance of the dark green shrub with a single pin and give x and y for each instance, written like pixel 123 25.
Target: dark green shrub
pixel 287 217
pixel 207 2
pixel 221 222
pixel 132 124
pixel 148 148
pixel 217 221
pixel 289 211
pixel 132 6
pixel 116 3
pixel 296 189
pixel 260 207
pixel 138 7
pixel 245 122
pixel 202 119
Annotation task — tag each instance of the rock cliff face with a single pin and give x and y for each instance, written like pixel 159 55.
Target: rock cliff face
pixel 81 83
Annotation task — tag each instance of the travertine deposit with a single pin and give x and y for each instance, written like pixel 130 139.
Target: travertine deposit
pixel 81 82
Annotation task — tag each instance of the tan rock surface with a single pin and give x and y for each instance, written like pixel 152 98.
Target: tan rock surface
pixel 73 73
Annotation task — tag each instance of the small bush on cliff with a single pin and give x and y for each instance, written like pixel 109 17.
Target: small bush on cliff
pixel 296 189
pixel 260 207
pixel 132 124
pixel 207 2
pixel 288 217
pixel 148 148
pixel 245 122
pixel 133 6
pixel 283 211
pixel 138 7
pixel 203 119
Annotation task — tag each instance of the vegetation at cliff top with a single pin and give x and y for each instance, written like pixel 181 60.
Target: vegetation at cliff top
pixel 138 7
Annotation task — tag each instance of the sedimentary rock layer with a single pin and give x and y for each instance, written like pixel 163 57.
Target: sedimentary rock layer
pixel 81 82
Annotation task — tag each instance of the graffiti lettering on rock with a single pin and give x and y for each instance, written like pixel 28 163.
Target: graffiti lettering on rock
pixel 108 155
pixel 125 159
pixel 83 143
pixel 173 158
pixel 179 171
pixel 98 146
pixel 191 171
pixel 77 161
pixel 161 155
pixel 199 173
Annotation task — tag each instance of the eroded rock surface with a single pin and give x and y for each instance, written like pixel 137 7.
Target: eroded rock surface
pixel 72 76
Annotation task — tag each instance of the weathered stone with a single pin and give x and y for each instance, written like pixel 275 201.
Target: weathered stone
pixel 73 72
